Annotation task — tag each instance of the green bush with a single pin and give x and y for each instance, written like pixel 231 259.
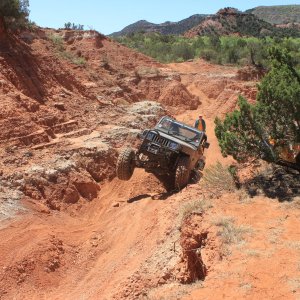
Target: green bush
pixel 14 13
pixel 248 132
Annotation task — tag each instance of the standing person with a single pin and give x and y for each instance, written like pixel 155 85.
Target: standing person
pixel 200 124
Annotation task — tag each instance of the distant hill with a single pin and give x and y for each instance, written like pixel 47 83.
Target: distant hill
pixel 260 21
pixel 163 28
pixel 230 21
pixel 281 14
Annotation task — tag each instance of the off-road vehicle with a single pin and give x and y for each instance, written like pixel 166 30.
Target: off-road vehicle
pixel 171 148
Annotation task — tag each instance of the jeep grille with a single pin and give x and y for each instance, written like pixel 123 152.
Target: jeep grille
pixel 159 140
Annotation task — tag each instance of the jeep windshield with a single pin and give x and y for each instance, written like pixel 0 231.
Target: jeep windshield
pixel 179 130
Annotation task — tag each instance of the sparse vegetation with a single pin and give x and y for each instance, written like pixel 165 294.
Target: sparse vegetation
pixel 274 235
pixel 217 179
pixel 294 245
pixel 58 42
pixel 296 202
pixel 231 233
pixel 80 61
pixel 253 252
pixel 147 72
pixel 294 284
pixel 195 207
pixel 243 196
pixel 73 26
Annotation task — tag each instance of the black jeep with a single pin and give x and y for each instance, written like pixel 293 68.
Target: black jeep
pixel 171 148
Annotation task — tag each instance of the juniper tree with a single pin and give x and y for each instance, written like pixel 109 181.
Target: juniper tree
pixel 263 129
pixel 13 10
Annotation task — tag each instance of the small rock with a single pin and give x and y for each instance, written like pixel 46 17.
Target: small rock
pixel 161 281
pixel 95 244
pixel 116 205
pixel 60 106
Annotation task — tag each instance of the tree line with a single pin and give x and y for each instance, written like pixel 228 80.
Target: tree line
pixel 216 49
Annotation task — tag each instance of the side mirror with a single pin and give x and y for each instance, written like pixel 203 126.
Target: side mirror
pixel 206 145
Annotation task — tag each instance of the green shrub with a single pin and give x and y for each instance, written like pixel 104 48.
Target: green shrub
pixel 248 132
pixel 14 13
pixel 58 43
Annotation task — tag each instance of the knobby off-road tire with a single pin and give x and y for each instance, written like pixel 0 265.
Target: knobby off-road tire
pixel 182 174
pixel 125 164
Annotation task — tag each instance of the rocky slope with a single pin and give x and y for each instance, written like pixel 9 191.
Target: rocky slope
pixel 68 100
pixel 258 22
pixel 164 28
pixel 43 70
pixel 230 21
pixel 280 14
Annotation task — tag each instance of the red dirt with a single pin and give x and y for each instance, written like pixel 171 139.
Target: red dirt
pixel 82 234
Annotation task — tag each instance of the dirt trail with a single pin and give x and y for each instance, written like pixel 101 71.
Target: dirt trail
pixel 101 246
pixel 104 249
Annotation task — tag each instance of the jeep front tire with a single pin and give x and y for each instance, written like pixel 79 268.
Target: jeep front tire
pixel 125 164
pixel 182 174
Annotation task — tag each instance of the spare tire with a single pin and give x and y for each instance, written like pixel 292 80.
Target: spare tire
pixel 125 164
pixel 182 174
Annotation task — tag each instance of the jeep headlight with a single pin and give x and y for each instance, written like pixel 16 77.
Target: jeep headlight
pixel 174 146
pixel 150 135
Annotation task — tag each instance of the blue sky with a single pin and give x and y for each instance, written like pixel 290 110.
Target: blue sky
pixel 113 15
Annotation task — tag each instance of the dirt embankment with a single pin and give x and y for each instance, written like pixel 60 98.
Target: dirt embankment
pixel 70 101
pixel 217 87
pixel 51 77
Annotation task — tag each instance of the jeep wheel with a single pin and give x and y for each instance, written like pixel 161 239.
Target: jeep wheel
pixel 125 164
pixel 182 174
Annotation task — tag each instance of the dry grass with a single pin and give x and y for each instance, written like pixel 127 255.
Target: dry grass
pixel 295 203
pixel 274 235
pixel 246 286
pixel 195 207
pixel 217 179
pixel 253 252
pixel 58 42
pixel 294 284
pixel 174 291
pixel 243 196
pixel 294 245
pixel 147 72
pixel 231 233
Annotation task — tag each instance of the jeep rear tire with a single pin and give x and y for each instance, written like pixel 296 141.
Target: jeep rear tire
pixel 125 164
pixel 182 174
